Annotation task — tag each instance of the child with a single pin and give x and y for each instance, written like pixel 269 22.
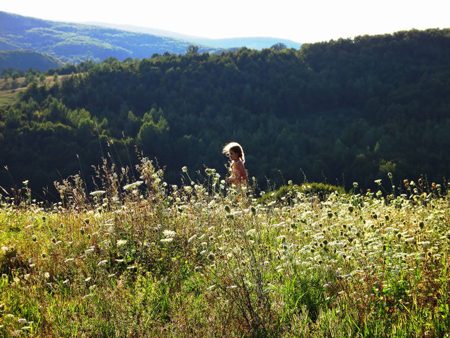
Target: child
pixel 237 170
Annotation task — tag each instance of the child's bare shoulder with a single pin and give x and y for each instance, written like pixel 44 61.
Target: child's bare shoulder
pixel 239 165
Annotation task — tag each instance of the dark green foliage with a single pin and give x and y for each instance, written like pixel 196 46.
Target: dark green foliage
pixel 279 46
pixel 337 112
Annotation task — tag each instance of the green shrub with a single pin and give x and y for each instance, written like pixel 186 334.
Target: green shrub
pixel 320 190
pixel 287 192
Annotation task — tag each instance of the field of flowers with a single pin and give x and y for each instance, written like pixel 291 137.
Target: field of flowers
pixel 146 259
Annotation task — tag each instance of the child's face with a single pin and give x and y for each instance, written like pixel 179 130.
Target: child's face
pixel 233 155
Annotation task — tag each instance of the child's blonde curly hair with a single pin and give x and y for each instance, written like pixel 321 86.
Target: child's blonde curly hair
pixel 237 148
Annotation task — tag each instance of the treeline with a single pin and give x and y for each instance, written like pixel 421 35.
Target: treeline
pixel 337 112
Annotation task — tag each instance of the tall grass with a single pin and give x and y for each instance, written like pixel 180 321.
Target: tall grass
pixel 143 258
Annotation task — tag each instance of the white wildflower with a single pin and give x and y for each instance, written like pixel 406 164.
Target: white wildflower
pixel 121 242
pixel 251 232
pixel 97 193
pixel 169 233
pixel 133 185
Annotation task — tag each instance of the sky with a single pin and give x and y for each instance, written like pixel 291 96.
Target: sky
pixel 297 20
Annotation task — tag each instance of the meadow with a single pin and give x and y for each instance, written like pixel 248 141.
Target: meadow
pixel 7 94
pixel 142 258
pixel 9 89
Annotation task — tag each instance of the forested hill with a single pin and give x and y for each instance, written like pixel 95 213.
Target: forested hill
pixel 72 42
pixel 340 111
pixel 26 59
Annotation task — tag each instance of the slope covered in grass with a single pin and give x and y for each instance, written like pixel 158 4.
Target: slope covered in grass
pixel 140 259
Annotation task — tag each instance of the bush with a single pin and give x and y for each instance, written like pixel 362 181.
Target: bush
pixel 320 190
pixel 287 192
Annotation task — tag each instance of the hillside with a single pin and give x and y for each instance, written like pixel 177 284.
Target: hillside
pixel 339 111
pixel 147 259
pixel 10 88
pixel 72 42
pixel 26 59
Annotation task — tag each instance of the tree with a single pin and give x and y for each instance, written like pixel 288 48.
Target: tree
pixel 279 46
pixel 132 125
pixel 192 49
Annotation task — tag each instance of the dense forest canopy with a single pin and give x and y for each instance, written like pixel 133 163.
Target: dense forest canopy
pixel 339 111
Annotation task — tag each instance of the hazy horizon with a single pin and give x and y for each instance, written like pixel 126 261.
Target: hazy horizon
pixel 301 22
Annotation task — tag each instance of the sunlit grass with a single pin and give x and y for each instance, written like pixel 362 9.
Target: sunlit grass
pixel 145 258
pixel 8 96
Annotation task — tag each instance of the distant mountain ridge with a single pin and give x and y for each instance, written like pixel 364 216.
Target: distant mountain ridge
pixel 71 42
pixel 249 42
